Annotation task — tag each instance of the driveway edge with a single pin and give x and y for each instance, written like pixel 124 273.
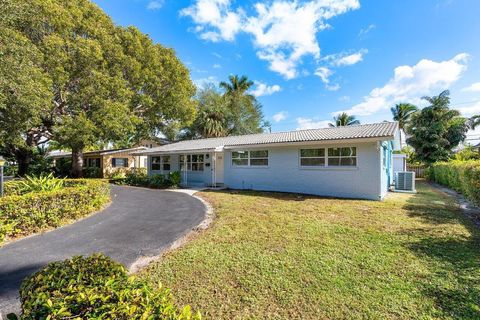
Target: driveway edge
pixel 143 262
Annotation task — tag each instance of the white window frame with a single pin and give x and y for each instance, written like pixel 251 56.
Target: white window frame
pixel 249 159
pixel 340 158
pixel 163 162
pixel 159 163
pixel 189 163
pixel 327 164
pixel 312 167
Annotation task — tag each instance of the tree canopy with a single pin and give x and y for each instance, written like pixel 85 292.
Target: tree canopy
pixel 231 112
pixel 91 81
pixel 436 129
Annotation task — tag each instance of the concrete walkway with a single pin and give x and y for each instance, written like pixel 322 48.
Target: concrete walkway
pixel 139 223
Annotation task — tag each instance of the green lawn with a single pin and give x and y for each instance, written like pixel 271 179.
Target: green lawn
pixel 272 255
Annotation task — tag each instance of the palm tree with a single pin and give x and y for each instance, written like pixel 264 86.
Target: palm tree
pixel 244 111
pixel 237 85
pixel 402 113
pixel 474 121
pixel 344 119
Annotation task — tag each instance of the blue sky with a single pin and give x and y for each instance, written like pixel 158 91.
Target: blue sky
pixel 312 59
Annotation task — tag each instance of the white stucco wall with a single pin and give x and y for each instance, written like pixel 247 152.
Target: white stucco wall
pixel 285 174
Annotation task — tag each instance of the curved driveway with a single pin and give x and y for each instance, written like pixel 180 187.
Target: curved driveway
pixel 139 222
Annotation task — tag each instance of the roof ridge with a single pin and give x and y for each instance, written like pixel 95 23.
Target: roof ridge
pixel 287 131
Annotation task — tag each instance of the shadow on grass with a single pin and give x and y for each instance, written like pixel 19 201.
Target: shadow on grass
pixel 452 258
pixel 277 195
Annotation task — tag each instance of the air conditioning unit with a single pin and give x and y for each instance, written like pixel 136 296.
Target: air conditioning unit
pixel 405 181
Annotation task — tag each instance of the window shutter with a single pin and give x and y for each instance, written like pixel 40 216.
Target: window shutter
pixel 126 162
pixel 113 162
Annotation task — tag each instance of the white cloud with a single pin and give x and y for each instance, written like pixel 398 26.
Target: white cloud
pixel 215 21
pixel 280 116
pixel 217 66
pixel 325 73
pixel 344 99
pixel 155 4
pixel 203 82
pixel 345 59
pixel 471 110
pixel 308 123
pixel 263 89
pixel 218 55
pixel 474 87
pixel 365 31
pixel 284 32
pixel 411 82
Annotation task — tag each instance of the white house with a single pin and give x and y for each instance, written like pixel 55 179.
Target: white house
pixel 352 162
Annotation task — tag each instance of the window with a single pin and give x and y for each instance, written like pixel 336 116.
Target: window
pixel 254 158
pixel 312 157
pixel 160 163
pixel 119 162
pixel 334 157
pixel 194 162
pixel 93 162
pixel 165 163
pixel 155 163
pixel 343 157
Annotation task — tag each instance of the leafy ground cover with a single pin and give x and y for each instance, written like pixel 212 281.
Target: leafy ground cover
pixel 274 255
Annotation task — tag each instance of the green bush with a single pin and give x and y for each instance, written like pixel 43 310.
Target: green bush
pixel 137 177
pixel 159 181
pixel 94 288
pixel 92 172
pixel 36 211
pixel 462 176
pixel 175 178
pixel 42 182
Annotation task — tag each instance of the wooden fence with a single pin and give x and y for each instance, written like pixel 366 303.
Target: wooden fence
pixel 418 169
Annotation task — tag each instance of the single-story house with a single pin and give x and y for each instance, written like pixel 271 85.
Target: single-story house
pixel 108 162
pixel 352 161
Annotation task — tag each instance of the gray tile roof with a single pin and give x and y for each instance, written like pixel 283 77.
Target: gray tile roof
pixel 380 130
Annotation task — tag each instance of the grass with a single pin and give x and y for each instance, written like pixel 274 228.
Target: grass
pixel 273 255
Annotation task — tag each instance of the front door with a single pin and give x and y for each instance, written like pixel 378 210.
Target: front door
pixel 219 167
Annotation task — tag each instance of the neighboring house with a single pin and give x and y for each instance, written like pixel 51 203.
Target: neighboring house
pixel 151 143
pixel 108 161
pixel 477 147
pixel 353 161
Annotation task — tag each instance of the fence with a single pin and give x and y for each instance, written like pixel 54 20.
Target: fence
pixel 418 169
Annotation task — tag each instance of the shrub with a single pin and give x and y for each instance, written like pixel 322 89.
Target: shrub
pixel 175 178
pixel 92 172
pixel 36 211
pixel 137 177
pixel 92 288
pixel 157 181
pixel 462 176
pixel 43 182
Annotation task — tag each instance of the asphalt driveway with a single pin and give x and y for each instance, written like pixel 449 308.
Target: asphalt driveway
pixel 139 222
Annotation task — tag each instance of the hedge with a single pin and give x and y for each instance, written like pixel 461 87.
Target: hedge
pixel 25 214
pixel 94 287
pixel 462 176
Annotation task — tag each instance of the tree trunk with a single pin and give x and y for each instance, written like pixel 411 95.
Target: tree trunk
pixel 24 158
pixel 77 163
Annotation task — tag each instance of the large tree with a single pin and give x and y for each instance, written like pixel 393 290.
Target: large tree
pixel 344 119
pixel 107 82
pixel 436 129
pixel 25 89
pixel 402 113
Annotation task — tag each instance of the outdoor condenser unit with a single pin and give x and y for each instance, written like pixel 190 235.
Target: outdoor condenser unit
pixel 405 181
